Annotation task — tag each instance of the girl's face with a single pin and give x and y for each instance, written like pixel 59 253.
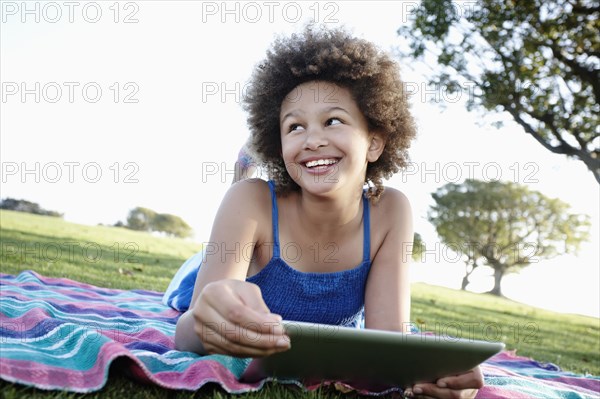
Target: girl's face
pixel 325 140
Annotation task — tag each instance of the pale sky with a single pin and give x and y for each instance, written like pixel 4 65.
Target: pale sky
pixel 107 106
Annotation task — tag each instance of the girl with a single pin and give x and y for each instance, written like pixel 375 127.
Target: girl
pixel 328 115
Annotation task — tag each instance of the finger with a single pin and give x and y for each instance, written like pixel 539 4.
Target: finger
pixel 238 308
pixel 428 389
pixel 213 329
pixel 471 379
pixel 223 346
pixel 432 390
pixel 408 393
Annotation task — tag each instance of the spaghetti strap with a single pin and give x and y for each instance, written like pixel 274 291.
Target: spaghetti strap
pixel 366 230
pixel 275 220
pixel 335 298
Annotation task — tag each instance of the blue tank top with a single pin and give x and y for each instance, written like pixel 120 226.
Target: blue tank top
pixel 335 298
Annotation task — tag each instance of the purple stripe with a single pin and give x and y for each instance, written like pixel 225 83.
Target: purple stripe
pixel 105 311
pixel 64 282
pixel 35 324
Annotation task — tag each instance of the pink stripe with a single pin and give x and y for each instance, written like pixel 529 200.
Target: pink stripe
pixel 201 373
pixel 499 371
pixel 491 392
pixel 146 335
pixel 25 322
pixel 31 320
pixel 52 377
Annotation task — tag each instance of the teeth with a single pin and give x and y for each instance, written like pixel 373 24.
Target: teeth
pixel 320 162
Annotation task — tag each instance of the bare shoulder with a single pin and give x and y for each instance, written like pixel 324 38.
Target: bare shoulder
pixel 249 189
pixel 392 203
pixel 248 198
pixel 392 214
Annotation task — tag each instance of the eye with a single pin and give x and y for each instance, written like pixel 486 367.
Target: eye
pixel 333 121
pixel 294 127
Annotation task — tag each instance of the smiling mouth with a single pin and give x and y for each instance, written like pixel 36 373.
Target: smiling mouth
pixel 320 162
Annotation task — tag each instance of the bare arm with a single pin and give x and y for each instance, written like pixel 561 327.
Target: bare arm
pixel 387 297
pixel 227 314
pixel 387 300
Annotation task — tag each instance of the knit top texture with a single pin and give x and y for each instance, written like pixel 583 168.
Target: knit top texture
pixel 335 298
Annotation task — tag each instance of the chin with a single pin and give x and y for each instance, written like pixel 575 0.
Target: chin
pixel 319 185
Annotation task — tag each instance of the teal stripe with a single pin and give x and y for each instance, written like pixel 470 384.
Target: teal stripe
pixel 537 390
pixel 137 303
pixel 70 347
pixel 75 290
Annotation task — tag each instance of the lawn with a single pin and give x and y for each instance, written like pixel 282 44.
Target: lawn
pixel 120 258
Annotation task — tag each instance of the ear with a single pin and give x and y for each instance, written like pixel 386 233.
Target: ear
pixel 376 146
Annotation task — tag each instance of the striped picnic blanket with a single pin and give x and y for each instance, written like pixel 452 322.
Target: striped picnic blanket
pixel 57 333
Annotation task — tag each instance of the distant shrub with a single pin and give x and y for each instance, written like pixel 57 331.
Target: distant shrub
pixel 144 219
pixel 21 205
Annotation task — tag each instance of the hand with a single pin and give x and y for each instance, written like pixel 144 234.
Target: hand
pixel 463 386
pixel 231 318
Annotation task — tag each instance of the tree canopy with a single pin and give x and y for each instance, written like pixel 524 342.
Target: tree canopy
pixel 144 219
pixel 21 205
pixel 504 225
pixel 418 247
pixel 537 60
pixel 171 224
pixel 140 219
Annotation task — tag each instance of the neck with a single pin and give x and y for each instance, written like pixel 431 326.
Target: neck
pixel 325 215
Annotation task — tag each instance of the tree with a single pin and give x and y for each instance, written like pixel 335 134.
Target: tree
pixel 418 247
pixel 537 60
pixel 171 225
pixel 144 219
pixel 21 205
pixel 141 219
pixel 504 225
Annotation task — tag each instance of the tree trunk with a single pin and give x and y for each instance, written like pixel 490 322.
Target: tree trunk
pixel 465 282
pixel 498 274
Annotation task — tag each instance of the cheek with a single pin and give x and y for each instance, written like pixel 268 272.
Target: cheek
pixel 286 150
pixel 294 171
pixel 288 153
pixel 291 145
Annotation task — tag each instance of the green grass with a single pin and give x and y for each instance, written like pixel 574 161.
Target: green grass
pixel 120 258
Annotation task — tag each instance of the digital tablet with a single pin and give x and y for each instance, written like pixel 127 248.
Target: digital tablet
pixel 324 352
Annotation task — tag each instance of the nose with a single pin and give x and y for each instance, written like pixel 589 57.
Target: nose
pixel 315 137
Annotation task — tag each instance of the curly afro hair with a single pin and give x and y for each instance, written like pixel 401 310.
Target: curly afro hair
pixel 370 75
